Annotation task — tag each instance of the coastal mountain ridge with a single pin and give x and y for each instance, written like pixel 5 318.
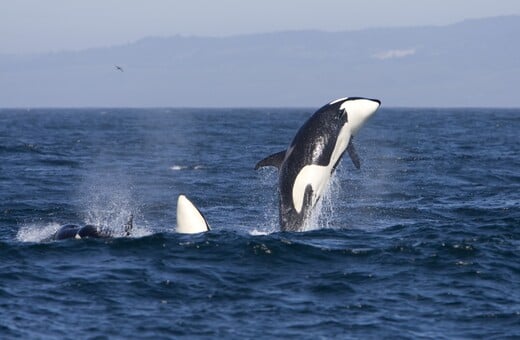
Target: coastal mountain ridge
pixel 474 63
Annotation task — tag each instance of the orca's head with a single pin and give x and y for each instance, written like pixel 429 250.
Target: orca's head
pixel 359 110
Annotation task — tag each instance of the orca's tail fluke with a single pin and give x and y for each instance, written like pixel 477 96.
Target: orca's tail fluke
pixel 189 219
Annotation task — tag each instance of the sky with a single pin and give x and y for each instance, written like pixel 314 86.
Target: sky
pixel 38 26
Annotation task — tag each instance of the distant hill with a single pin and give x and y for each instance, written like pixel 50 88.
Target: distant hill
pixel 472 63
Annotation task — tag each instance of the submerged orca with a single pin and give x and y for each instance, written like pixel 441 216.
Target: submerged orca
pixel 307 165
pixel 88 231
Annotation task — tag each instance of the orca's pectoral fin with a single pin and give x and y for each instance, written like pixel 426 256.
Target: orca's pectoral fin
pixel 189 219
pixel 129 225
pixel 353 154
pixel 275 160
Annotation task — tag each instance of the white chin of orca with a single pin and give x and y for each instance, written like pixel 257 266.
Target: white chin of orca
pixel 359 111
pixel 189 218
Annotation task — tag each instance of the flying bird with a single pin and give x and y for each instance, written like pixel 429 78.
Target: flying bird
pixel 119 68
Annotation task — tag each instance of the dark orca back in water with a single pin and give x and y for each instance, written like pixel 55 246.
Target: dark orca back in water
pixel 76 231
pixel 88 231
pixel 67 231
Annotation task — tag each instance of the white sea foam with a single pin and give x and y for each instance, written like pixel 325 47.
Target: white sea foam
pixel 186 167
pixel 262 231
pixel 36 232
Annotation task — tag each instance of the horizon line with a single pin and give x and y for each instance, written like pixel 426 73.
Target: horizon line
pixel 393 107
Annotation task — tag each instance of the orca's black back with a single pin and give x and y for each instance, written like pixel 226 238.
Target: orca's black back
pixel 67 231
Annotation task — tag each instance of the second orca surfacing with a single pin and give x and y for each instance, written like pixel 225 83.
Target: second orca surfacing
pixel 306 166
pixel 69 231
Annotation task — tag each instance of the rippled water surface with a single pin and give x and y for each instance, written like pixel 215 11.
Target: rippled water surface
pixel 422 242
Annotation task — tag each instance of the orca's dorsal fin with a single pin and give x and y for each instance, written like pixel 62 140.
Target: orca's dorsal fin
pixel 275 160
pixel 189 219
pixel 353 154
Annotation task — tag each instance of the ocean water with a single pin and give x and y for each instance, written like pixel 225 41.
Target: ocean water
pixel 422 242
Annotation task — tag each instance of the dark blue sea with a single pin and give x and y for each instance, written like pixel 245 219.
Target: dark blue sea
pixel 422 242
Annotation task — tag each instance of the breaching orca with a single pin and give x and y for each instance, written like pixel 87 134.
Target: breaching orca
pixel 189 219
pixel 88 231
pixel 307 165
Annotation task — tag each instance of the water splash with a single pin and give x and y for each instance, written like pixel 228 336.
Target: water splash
pixel 322 216
pixel 269 181
pixel 109 203
pixel 36 232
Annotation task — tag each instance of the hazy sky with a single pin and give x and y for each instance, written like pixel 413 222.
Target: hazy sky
pixel 51 25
